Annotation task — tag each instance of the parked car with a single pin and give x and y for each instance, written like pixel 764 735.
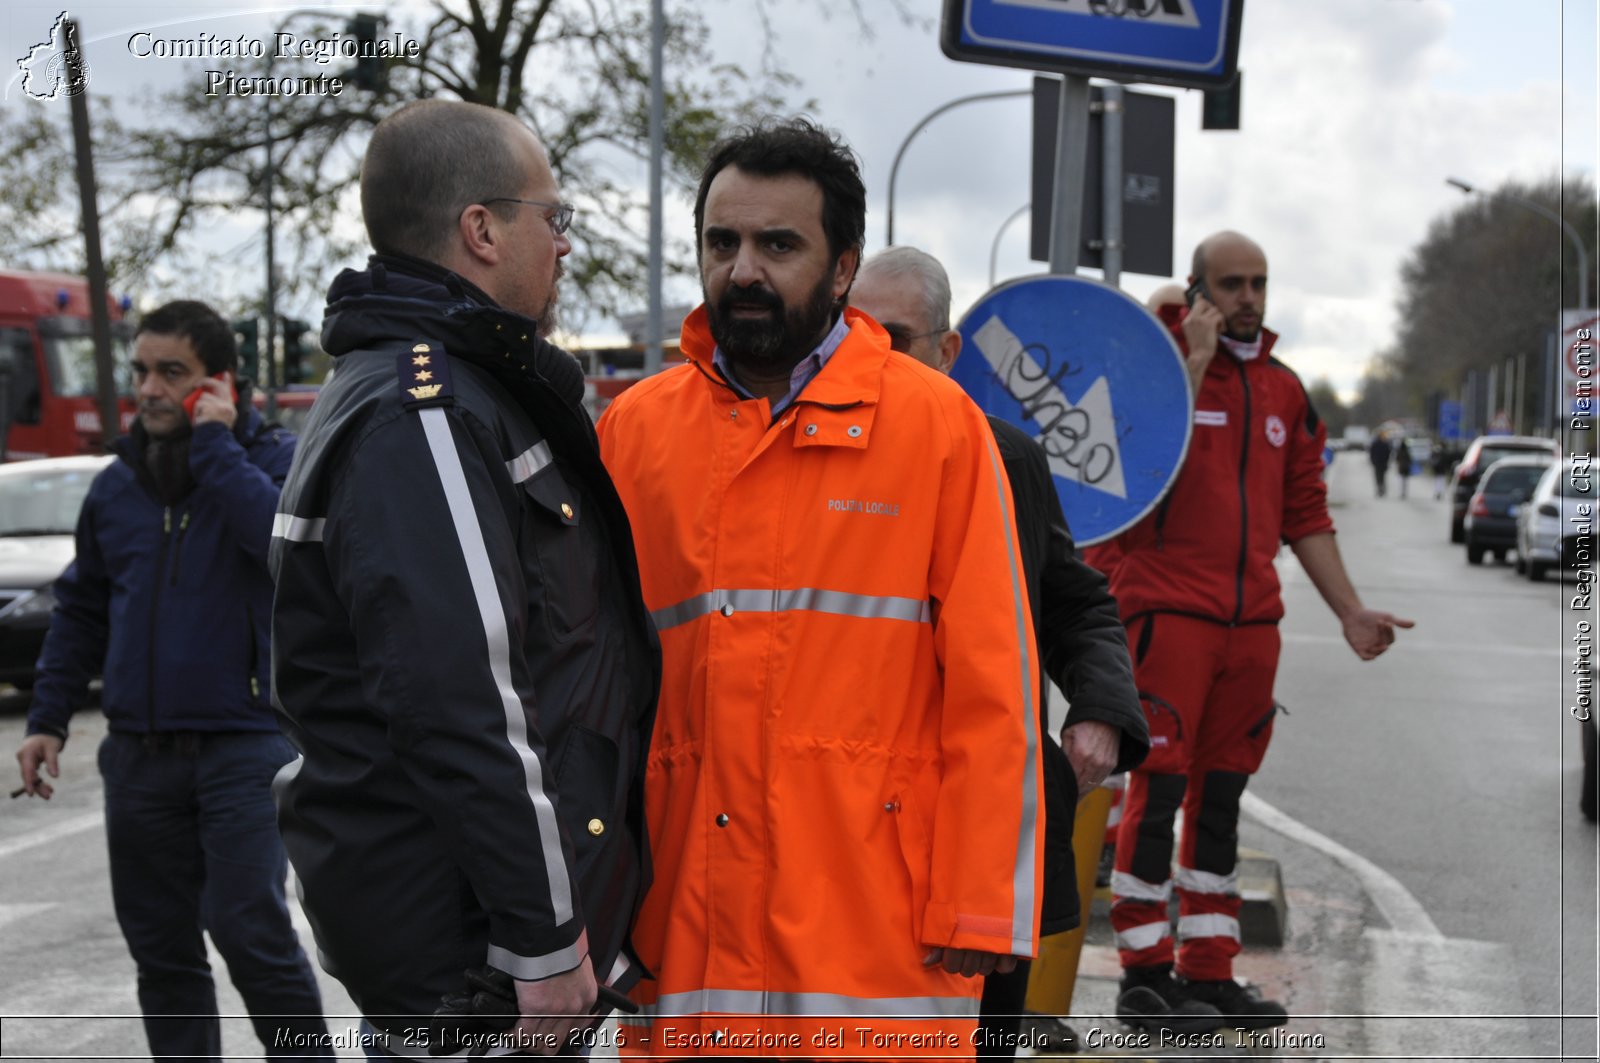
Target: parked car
pixel 1550 528
pixel 1491 521
pixel 1482 453
pixel 39 504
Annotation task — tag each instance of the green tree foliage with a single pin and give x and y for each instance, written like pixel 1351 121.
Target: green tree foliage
pixel 1325 400
pixel 1385 396
pixel 1486 285
pixel 576 70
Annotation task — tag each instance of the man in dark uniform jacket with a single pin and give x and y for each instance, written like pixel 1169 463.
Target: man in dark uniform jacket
pixel 460 649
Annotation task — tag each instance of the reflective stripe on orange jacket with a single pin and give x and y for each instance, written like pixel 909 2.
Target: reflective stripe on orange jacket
pixel 844 769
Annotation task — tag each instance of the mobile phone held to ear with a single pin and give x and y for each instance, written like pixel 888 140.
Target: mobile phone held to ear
pixel 1197 288
pixel 193 398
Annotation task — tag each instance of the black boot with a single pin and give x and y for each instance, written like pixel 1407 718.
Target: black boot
pixel 1241 1007
pixel 1151 999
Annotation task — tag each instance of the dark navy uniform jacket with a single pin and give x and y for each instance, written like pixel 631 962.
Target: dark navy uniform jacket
pixel 461 654
pixel 171 602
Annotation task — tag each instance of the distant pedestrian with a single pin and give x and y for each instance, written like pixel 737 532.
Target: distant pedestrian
pixel 1379 453
pixel 1402 464
pixel 169 597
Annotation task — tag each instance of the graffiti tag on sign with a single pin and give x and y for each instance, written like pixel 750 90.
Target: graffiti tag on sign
pixel 1079 438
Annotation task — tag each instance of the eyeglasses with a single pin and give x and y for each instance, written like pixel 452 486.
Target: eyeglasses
pixel 558 221
pixel 901 337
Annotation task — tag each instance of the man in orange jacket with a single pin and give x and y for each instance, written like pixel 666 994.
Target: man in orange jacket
pixel 843 790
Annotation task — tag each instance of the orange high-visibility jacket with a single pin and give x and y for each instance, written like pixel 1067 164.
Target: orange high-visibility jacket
pixel 844 768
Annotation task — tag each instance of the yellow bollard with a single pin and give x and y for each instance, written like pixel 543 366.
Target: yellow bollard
pixel 1055 972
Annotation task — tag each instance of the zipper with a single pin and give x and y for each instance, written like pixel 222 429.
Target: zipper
pixel 177 547
pixel 155 603
pixel 1244 499
pixel 250 627
pixel 1261 724
pixel 1162 705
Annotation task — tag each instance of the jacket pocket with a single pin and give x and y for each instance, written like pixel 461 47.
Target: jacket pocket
pixel 913 830
pixel 562 565
pixel 586 787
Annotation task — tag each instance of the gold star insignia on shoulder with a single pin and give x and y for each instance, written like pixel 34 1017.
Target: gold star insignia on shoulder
pixel 424 387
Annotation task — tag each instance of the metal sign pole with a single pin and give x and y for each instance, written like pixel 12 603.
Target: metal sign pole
pixel 1072 145
pixel 1111 184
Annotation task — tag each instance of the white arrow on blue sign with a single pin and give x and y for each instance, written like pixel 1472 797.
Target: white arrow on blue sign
pixel 1194 43
pixel 1096 379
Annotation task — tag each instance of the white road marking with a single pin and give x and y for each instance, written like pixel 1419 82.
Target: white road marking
pixel 1424 995
pixel 54 832
pixel 11 913
pixel 1403 912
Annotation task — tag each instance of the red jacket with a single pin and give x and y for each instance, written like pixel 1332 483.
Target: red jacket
pixel 1251 481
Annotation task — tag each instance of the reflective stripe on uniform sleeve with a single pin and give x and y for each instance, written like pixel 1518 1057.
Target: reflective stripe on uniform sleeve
pixel 822 1005
pixel 533 968
pixel 529 463
pixel 1024 902
pixel 810 599
pixel 498 640
pixel 297 529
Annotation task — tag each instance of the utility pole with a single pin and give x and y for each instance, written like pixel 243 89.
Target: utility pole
pixel 77 89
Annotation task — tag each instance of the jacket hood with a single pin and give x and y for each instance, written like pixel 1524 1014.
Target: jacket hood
pixel 398 298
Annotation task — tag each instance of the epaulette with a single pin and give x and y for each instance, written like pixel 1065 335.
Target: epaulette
pixel 424 373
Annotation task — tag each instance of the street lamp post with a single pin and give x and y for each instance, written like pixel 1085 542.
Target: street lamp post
pixel 930 116
pixel 994 247
pixel 1572 234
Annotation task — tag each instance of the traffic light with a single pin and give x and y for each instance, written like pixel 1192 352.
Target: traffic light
pixel 294 351
pixel 249 348
pixel 1221 107
pixel 371 72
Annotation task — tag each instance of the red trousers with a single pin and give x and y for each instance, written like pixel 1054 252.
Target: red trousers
pixel 1207 691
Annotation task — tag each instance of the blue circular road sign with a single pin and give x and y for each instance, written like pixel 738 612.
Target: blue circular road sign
pixel 1096 379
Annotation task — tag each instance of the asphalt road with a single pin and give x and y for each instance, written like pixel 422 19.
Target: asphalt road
pixel 1451 762
pixel 1441 883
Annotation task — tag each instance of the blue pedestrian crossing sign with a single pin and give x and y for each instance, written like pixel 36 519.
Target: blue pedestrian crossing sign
pixel 1192 43
pixel 1096 379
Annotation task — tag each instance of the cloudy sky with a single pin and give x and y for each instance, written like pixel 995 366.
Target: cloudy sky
pixel 1354 113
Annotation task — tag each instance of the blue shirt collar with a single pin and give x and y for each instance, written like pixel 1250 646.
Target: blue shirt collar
pixel 804 373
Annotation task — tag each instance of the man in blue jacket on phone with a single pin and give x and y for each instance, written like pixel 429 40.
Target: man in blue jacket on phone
pixel 169 598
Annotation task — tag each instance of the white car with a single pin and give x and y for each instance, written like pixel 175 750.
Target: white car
pixel 39 504
pixel 1550 524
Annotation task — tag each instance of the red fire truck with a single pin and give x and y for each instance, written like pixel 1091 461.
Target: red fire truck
pixel 47 369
